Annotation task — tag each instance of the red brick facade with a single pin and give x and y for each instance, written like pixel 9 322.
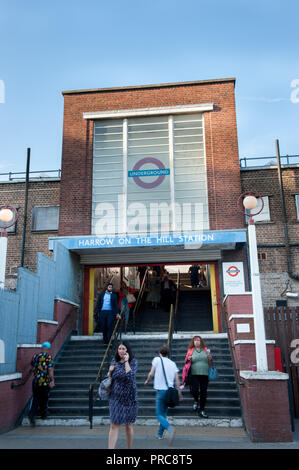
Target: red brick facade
pixel 40 193
pixel 271 234
pixel 223 172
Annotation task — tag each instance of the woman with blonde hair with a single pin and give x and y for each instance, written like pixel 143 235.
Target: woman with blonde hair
pixel 198 358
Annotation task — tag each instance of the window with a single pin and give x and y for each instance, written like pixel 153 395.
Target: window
pixel 263 216
pixel 297 205
pixel 149 175
pixel 44 218
pixel 262 256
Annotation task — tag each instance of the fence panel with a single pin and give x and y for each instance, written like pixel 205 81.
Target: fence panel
pixel 282 325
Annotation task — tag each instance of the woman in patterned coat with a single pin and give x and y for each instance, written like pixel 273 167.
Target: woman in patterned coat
pixel 123 402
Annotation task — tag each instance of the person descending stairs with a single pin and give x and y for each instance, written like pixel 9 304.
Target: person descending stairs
pixel 78 363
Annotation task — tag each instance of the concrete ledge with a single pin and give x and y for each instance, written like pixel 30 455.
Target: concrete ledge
pixel 252 341
pixel 5 378
pixel 58 299
pixel 212 422
pixel 51 322
pixel 269 375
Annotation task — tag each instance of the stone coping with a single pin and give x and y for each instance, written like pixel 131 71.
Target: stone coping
pixel 267 375
pixel 6 377
pixel 97 420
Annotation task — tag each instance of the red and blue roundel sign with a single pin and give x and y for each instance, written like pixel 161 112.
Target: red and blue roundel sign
pixel 233 271
pixel 160 171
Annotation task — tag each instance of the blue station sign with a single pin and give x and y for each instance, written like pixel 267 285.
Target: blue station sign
pixel 204 238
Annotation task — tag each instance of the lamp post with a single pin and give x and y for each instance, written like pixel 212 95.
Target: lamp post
pixel 8 218
pixel 250 200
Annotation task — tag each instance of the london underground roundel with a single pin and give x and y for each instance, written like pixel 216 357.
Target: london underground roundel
pixel 160 171
pixel 233 271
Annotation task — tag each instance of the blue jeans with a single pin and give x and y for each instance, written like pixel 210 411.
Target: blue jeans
pixel 161 412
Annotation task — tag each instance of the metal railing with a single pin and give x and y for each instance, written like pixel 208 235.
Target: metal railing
pixel 177 301
pixel 116 335
pixel 51 339
pixel 248 162
pixel 139 298
pixel 42 175
pixel 170 328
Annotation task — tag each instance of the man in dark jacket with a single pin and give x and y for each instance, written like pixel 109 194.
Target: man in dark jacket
pixel 107 311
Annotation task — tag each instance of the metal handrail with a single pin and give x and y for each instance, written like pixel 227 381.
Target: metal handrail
pixel 170 329
pixel 11 178
pixel 115 335
pixel 51 339
pixel 137 303
pixel 272 160
pixel 177 300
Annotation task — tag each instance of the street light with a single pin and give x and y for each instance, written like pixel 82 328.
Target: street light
pixel 250 200
pixel 8 218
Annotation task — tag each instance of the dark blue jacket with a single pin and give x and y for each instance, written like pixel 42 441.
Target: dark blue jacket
pixel 114 303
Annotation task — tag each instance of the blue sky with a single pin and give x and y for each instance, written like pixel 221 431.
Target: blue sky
pixel 69 44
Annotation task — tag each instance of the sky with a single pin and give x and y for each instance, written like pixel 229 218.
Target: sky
pixel 46 48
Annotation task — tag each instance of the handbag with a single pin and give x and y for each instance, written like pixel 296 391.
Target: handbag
pixel 172 395
pixel 105 388
pixel 131 298
pixel 213 373
pixel 186 375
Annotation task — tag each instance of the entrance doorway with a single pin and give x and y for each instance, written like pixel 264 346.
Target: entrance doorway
pixel 192 289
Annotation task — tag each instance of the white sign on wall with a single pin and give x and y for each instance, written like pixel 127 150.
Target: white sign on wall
pixel 233 277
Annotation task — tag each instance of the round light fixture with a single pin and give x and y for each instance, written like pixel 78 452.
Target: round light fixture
pixel 250 202
pixel 6 215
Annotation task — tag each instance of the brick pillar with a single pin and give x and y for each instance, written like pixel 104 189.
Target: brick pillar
pixel 265 404
pixel 264 395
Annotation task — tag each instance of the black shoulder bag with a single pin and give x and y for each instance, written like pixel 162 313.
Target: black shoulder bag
pixel 172 394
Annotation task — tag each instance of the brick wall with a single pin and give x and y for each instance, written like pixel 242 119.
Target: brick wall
pixel 224 186
pixel 41 193
pixel 273 265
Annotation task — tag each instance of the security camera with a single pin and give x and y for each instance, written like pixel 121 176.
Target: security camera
pixel 292 294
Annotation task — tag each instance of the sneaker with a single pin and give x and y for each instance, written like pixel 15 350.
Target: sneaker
pixel 195 406
pixel 170 434
pixel 159 437
pixel 203 414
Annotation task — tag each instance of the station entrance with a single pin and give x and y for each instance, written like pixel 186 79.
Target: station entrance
pixel 146 292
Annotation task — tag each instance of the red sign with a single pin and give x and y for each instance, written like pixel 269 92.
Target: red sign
pixel 233 271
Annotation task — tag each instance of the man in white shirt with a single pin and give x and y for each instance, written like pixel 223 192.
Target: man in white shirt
pixel 161 387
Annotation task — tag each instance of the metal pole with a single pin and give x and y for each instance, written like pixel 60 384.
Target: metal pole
pixel 258 314
pixel 3 252
pixel 283 206
pixel 25 207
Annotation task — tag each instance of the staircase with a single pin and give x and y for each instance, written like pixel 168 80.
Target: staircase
pixel 78 364
pixel 194 310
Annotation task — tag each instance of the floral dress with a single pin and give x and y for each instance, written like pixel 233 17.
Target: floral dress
pixel 123 401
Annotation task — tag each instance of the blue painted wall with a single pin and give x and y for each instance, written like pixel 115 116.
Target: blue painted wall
pixel 34 300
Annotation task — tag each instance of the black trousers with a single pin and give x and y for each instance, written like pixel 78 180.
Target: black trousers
pixel 199 387
pixel 106 322
pixel 40 400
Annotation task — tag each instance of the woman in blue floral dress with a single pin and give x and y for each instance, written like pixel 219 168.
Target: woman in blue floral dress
pixel 123 402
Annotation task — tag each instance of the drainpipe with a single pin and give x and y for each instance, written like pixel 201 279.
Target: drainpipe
pixel 283 206
pixel 25 208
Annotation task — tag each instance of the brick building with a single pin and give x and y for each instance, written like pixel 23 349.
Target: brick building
pixel 279 271
pixel 42 221
pixel 210 173
pixel 150 183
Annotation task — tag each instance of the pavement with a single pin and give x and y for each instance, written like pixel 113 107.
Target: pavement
pixel 186 437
